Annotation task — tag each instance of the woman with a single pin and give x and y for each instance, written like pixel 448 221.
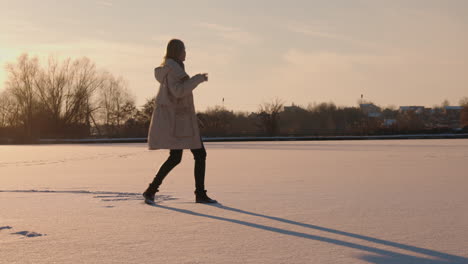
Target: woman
pixel 174 123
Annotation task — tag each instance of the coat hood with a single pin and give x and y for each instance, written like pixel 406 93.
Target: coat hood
pixel 161 72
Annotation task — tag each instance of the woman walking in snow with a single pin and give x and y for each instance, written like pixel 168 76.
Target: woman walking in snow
pixel 174 124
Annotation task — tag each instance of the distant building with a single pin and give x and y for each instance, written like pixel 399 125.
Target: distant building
pixel 389 122
pixel 452 116
pixel 415 109
pixel 292 108
pixel 370 110
pixel 453 108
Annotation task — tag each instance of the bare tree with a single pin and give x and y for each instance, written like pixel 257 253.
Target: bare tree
pixel 21 84
pixel 464 102
pixel 66 91
pixel 216 120
pixel 147 110
pixel 116 103
pixel 9 110
pixel 63 97
pixel 445 103
pixel 53 85
pixel 269 115
pixel 79 99
pixel 464 112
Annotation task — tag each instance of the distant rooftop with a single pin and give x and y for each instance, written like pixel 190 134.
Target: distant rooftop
pixel 412 107
pixel 453 108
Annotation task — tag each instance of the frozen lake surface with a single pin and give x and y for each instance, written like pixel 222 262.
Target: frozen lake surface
pixel 384 202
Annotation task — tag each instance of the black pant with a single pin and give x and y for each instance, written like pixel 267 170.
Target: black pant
pixel 174 159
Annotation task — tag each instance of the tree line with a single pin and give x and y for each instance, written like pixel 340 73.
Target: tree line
pixel 73 99
pixel 69 98
pixel 327 119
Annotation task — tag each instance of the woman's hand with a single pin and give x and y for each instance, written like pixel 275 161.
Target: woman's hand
pixel 204 76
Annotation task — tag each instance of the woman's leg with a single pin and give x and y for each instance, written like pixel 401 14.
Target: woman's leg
pixel 174 159
pixel 200 166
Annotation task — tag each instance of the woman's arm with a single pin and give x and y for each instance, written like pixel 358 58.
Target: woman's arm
pixel 183 84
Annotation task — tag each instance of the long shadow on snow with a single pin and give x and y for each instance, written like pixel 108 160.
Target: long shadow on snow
pixel 383 257
pixel 424 251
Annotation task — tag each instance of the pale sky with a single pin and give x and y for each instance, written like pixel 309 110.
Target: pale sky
pixel 399 52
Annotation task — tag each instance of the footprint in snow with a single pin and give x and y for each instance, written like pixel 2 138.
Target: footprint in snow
pixel 28 234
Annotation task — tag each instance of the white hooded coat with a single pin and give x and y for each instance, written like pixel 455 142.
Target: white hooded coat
pixel 174 124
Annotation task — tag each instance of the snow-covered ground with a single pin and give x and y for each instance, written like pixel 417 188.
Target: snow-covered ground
pixel 385 202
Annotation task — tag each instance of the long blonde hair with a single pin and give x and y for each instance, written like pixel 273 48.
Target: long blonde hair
pixel 173 50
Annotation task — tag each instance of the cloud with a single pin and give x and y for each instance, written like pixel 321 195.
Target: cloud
pixel 399 78
pixel 232 34
pixel 17 27
pixel 318 32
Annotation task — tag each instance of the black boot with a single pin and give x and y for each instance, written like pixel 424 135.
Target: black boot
pixel 149 194
pixel 201 197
